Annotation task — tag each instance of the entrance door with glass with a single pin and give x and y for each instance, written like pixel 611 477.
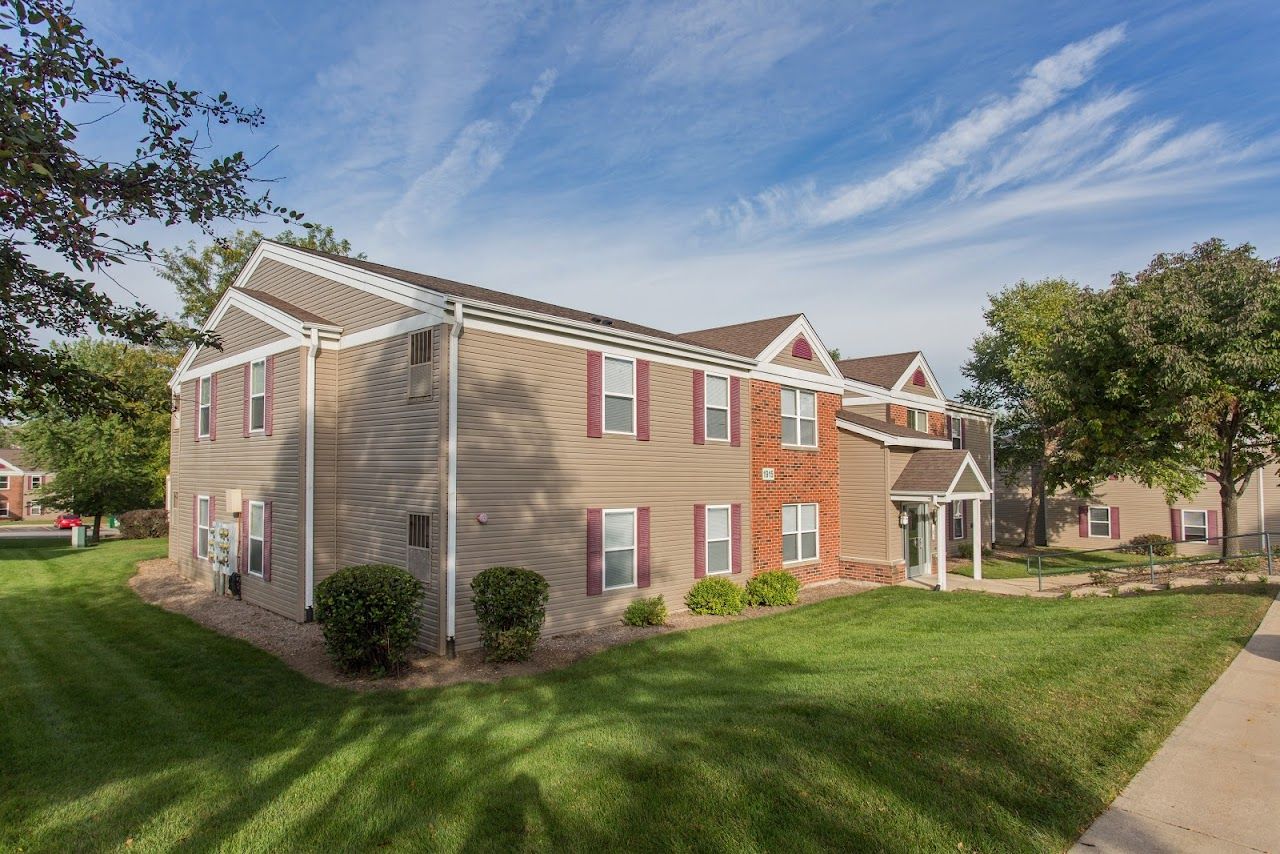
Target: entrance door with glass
pixel 917 540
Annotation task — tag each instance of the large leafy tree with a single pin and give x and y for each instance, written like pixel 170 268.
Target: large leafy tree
pixel 59 200
pixel 1011 371
pixel 116 459
pixel 1173 376
pixel 202 274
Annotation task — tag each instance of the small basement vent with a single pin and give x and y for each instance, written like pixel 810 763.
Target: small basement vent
pixel 420 363
pixel 420 547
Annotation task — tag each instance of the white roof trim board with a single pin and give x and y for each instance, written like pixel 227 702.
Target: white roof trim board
pixel 967 464
pixel 890 440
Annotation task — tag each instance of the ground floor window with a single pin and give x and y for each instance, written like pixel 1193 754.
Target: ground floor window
pixel 619 549
pixel 957 520
pixel 799 532
pixel 257 537
pixel 1100 522
pixel 719 554
pixel 1195 525
pixel 202 526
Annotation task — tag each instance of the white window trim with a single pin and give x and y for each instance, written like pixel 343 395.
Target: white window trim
pixel 4 481
pixel 817 532
pixel 957 431
pixel 634 548
pixel 263 395
pixel 248 558
pixel 203 523
pixel 798 417
pixel 1089 519
pixel 1204 513
pixel 707 407
pixel 912 413
pixel 706 546
pixel 204 425
pixel 605 394
pixel 37 481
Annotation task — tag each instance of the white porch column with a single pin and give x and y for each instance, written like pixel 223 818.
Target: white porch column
pixel 940 527
pixel 977 539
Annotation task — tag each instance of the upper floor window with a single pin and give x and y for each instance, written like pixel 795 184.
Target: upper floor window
pixel 799 418
pixel 957 432
pixel 258 395
pixel 206 406
pixel 4 481
pixel 918 419
pixel 1100 522
pixel 619 395
pixel 1195 525
pixel 716 408
pixel 37 481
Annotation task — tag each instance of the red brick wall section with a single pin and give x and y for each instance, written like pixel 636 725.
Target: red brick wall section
pixel 802 477
pixel 937 420
pixel 878 572
pixel 14 495
pixel 897 414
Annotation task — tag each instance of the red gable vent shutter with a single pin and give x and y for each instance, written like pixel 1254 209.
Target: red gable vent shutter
pixel 266 541
pixel 213 409
pixel 918 378
pixel 642 547
pixel 736 533
pixel 642 400
pixel 1175 523
pixel 1213 524
pixel 699 541
pixel 595 388
pixel 244 537
pixel 248 380
pixel 800 348
pixel 699 408
pixel 1083 513
pixel 270 397
pixel 735 412
pixel 1115 523
pixel 595 551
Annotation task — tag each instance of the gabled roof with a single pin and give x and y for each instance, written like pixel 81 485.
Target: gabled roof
pixel 887 432
pixel 14 457
pixel 884 371
pixel 941 474
pixel 745 339
pixel 287 307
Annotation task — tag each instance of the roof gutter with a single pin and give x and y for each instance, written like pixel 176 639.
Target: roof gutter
pixel 451 538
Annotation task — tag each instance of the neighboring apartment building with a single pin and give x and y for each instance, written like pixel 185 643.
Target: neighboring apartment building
pixel 358 413
pixel 20 485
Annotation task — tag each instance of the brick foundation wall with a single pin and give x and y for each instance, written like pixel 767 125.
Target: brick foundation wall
pixel 876 572
pixel 802 477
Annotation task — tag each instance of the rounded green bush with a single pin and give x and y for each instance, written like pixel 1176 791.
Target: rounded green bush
pixel 511 604
pixel 369 616
pixel 646 612
pixel 716 596
pixel 1161 546
pixel 777 587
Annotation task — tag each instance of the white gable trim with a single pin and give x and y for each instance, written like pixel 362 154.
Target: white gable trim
pixel 889 439
pixel 275 348
pixel 801 326
pixel 386 287
pixel 795 378
pixel 859 394
pixel 291 328
pixel 970 464
pixel 10 468
pixel 923 364
pixel 951 495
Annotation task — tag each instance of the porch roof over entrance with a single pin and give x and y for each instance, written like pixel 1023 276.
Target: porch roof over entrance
pixel 942 476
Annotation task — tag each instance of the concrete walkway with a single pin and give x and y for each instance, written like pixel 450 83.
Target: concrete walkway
pixel 1215 784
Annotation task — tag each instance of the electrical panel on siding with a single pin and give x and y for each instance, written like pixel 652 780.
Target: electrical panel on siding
pixel 420 360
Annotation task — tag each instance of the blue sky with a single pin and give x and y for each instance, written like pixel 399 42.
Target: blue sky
pixel 881 166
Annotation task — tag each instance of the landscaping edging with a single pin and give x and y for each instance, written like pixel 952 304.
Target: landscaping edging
pixel 301 645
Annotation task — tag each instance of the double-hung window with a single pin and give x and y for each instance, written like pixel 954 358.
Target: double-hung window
pixel 799 532
pixel 799 418
pixel 957 520
pixel 918 419
pixel 619 395
pixel 716 409
pixel 4 481
pixel 257 395
pixel 37 481
pixel 719 552
pixel 257 537
pixel 1100 522
pixel 203 523
pixel 206 406
pixel 957 432
pixel 1195 525
pixel 619 549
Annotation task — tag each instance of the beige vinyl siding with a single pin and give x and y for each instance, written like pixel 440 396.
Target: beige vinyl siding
pixel 925 390
pixel 879 411
pixel 898 459
pixel 237 332
pixel 789 361
pixel 1270 480
pixel 352 309
pixel 388 456
pixel 265 468
pixel 977 441
pixel 865 509
pixel 525 460
pixel 325 560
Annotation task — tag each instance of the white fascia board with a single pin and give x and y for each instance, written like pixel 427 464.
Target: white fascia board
pixel 970 411
pixel 801 325
pixel 232 297
pixel 923 364
pixel 275 348
pixel 890 440
pixel 858 393
pixel 795 378
pixel 970 464
pixel 9 468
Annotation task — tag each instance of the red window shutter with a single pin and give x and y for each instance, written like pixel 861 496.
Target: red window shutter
pixel 964 433
pixel 595 551
pixel 195 409
pixel 1175 523
pixel 736 534
pixel 195 526
pixel 213 514
pixel 800 348
pixel 243 563
pixel 699 541
pixel 642 547
pixel 270 400
pixel 1083 513
pixel 699 408
pixel 1115 523
pixel 595 388
pixel 247 387
pixel 1213 524
pixel 213 411
pixel 266 541
pixel 735 412
pixel 642 400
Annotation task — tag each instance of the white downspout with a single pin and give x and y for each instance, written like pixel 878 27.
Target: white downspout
pixel 992 449
pixel 309 537
pixel 451 540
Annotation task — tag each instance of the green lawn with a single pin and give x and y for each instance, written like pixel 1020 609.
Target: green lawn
pixel 1054 560
pixel 898 720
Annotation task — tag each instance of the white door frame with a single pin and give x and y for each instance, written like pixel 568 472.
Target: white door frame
pixel 919 511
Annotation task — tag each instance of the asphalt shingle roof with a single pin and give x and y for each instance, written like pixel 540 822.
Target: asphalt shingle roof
pixel 883 371
pixel 883 426
pixel 930 470
pixel 745 339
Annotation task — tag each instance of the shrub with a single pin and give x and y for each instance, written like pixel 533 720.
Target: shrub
pixel 1244 565
pixel 776 587
pixel 511 604
pixel 369 615
pixel 646 612
pixel 144 524
pixel 1161 546
pixel 717 596
pixel 965 551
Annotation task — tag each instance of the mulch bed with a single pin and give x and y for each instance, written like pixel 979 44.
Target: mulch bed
pixel 301 645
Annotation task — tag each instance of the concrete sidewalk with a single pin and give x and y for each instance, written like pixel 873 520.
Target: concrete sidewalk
pixel 1215 784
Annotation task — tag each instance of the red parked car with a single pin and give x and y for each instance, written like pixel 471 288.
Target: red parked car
pixel 68 520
